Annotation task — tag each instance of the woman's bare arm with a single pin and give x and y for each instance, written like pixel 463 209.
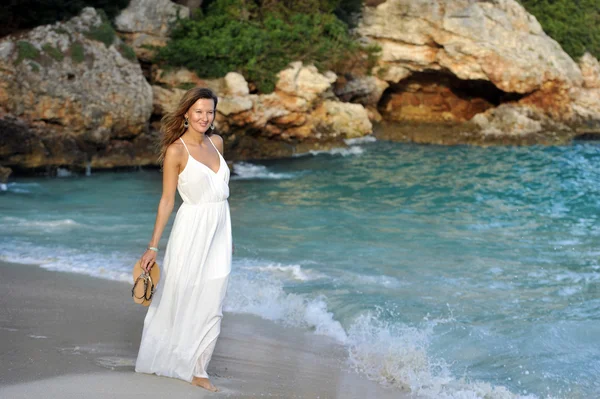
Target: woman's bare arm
pixel 171 168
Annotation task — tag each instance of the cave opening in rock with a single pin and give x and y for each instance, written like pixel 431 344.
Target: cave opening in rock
pixel 440 97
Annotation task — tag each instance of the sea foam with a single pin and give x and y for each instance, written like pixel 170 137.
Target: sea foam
pixel 294 272
pixel 245 170
pixel 394 355
pixel 263 295
pixel 348 151
pixel 360 140
pixel 21 223
pixel 397 355
pixel 21 188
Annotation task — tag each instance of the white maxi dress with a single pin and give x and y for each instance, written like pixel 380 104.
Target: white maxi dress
pixel 183 321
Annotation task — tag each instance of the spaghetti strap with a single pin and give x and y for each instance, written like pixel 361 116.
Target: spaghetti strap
pixel 209 139
pixel 183 142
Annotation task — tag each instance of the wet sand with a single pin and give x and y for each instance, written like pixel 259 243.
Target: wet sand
pixel 65 335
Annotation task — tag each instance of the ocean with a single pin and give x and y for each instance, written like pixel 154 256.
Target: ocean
pixel 449 272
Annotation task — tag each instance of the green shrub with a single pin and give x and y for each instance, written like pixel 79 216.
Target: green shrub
pixel 574 24
pixel 103 33
pixel 77 52
pixel 26 51
pixel 238 35
pixel 53 52
pixel 127 52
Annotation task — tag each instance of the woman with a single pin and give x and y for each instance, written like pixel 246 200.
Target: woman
pixel 184 318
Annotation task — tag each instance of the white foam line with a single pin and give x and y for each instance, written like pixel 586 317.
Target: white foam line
pixel 246 170
pixel 360 140
pixel 343 151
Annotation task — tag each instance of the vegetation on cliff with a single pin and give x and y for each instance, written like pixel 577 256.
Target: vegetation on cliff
pixel 575 24
pixel 260 38
pixel 27 14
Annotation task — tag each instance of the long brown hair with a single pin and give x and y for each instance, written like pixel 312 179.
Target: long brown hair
pixel 172 126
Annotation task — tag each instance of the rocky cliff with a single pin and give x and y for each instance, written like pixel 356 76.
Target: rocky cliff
pixel 451 71
pixel 69 91
pixel 488 62
pixel 74 95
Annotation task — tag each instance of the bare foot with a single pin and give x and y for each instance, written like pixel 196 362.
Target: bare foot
pixel 204 383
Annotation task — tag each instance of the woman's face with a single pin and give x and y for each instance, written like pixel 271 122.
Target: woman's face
pixel 201 115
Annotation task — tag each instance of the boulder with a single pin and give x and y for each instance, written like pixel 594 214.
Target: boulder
pixel 366 90
pixel 234 105
pixel 515 120
pixel 146 24
pixel 305 82
pixel 236 85
pixel 153 17
pixel 74 83
pixel 339 119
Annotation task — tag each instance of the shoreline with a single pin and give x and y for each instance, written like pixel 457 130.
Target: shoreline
pixel 69 335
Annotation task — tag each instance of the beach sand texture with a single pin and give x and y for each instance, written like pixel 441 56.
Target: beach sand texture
pixel 66 335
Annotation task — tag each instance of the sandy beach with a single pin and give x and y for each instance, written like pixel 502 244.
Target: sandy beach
pixel 66 335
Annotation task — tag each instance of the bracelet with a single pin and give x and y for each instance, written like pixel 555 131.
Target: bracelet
pixel 153 249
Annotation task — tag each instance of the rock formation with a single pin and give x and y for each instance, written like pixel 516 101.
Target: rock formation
pixel 448 61
pixel 145 24
pixel 302 112
pixel 66 90
pixel 73 94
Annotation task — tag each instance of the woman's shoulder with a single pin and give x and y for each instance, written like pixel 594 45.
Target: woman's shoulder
pixel 216 138
pixel 217 141
pixel 175 150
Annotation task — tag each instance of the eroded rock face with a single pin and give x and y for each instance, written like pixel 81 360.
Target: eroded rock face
pixel 585 101
pixel 147 23
pixel 72 91
pixel 515 120
pixel 305 82
pixel 302 108
pixel 493 41
pixel 300 113
pixel 366 90
pixel 150 16
pixel 590 69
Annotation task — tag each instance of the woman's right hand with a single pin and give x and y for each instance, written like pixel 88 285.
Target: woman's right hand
pixel 148 259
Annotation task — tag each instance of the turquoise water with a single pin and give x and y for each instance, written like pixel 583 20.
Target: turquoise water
pixel 453 272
